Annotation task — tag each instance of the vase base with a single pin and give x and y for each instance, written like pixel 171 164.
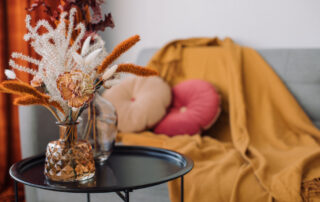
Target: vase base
pixel 66 163
pixel 102 157
pixel 78 179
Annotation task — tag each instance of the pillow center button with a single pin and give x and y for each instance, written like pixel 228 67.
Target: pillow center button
pixel 183 109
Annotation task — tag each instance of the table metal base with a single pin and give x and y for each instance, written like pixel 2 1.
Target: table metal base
pixel 124 196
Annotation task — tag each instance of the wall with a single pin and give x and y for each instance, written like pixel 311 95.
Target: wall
pixel 255 23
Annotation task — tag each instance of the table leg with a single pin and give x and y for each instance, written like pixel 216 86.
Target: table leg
pixel 127 195
pixel 182 189
pixel 88 197
pixel 15 187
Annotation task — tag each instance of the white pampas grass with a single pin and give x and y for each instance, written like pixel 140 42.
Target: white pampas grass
pixel 22 68
pixel 59 55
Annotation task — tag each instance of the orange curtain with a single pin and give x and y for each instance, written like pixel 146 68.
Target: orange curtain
pixel 12 30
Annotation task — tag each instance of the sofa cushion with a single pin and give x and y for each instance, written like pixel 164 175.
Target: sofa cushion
pixel 140 102
pixel 196 106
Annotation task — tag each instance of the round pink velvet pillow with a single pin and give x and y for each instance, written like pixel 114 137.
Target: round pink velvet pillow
pixel 196 106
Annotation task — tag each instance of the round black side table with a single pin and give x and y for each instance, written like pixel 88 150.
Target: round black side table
pixel 127 169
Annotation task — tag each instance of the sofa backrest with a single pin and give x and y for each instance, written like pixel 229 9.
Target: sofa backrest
pixel 299 69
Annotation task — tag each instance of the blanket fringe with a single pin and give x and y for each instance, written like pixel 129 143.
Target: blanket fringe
pixel 310 189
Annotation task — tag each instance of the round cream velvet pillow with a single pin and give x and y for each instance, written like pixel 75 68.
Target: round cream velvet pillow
pixel 140 102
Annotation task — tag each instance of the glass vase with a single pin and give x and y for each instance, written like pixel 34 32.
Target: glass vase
pixel 98 125
pixel 69 159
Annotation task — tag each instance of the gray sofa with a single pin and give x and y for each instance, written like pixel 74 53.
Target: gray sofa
pixel 298 68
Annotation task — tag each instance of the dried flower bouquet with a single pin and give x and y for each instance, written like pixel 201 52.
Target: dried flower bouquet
pixel 73 66
pixel 68 74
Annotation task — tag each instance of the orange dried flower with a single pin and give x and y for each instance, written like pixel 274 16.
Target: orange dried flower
pixel 137 70
pixel 76 87
pixel 117 51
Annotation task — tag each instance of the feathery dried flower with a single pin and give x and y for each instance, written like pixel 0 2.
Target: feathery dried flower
pixel 137 70
pixel 117 51
pixel 86 60
pixel 28 100
pixel 20 88
pixel 109 72
pixel 10 74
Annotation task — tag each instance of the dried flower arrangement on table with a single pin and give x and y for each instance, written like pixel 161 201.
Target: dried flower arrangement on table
pixel 73 66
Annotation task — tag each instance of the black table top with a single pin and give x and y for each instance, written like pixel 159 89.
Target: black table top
pixel 128 168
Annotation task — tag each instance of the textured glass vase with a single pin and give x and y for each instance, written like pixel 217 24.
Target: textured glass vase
pixel 69 159
pixel 98 125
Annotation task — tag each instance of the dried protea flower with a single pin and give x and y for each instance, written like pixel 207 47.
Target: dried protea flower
pixel 76 87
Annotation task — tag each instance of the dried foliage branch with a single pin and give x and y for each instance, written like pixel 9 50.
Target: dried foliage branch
pixel 95 22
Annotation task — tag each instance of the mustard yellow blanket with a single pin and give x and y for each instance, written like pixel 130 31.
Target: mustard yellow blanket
pixel 263 146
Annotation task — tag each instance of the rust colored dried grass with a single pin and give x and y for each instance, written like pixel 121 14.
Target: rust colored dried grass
pixel 5 90
pixel 28 95
pixel 137 70
pixel 117 51
pixel 56 105
pixel 28 100
pixel 20 88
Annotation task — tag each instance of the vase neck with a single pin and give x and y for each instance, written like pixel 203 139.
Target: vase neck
pixel 68 132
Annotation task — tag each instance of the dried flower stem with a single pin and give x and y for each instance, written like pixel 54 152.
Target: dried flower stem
pixel 75 117
pixel 56 105
pixel 89 129
pixel 69 135
pixel 53 112
pixel 117 51
pixel 31 100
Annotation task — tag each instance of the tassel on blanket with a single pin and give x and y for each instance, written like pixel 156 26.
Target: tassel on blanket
pixel 310 189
